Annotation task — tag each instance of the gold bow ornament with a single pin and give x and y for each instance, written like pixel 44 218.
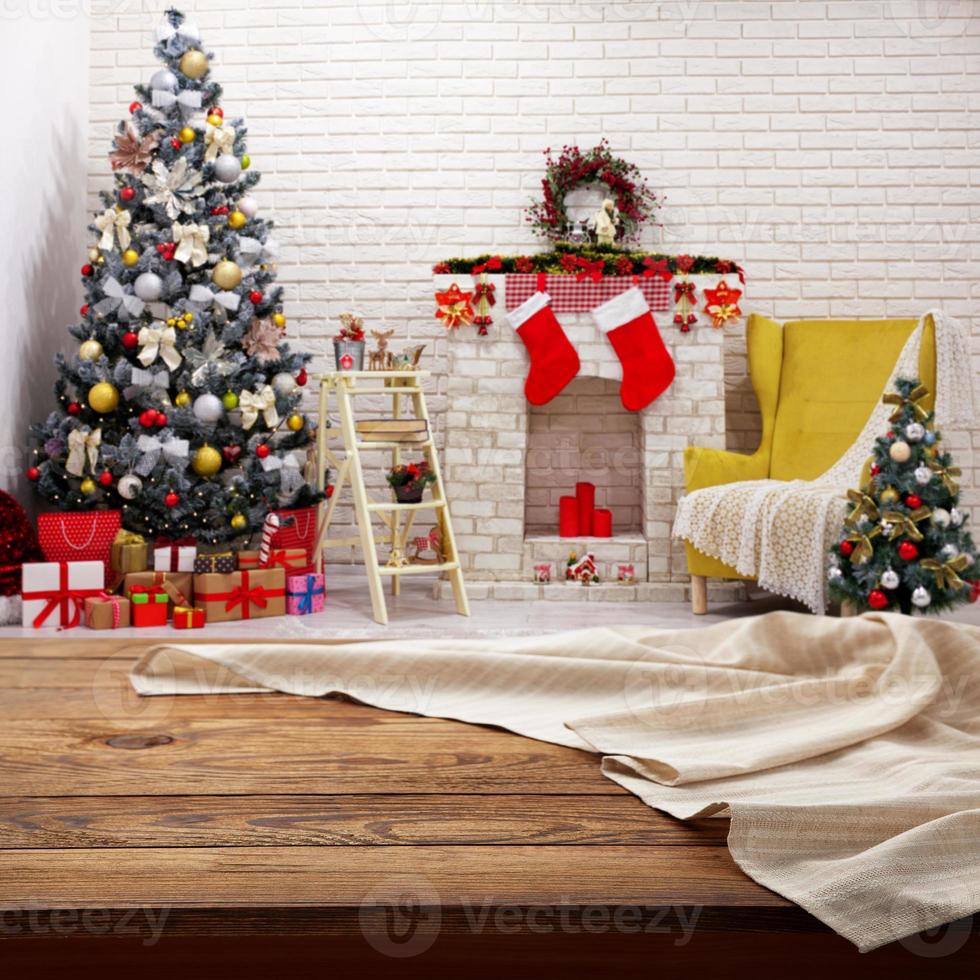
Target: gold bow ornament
pixel 948 475
pixel 863 548
pixel 192 243
pixel 263 402
pixel 159 342
pixel 912 401
pixel 83 444
pixel 947 572
pixel 218 140
pixel 906 524
pixel 864 506
pixel 114 225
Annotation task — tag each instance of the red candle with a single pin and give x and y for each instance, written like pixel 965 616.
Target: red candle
pixel 568 517
pixel 585 495
pixel 602 524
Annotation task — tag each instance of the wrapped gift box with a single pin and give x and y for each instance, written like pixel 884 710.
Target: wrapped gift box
pixel 129 552
pixel 174 556
pixel 78 535
pixel 223 563
pixel 179 586
pixel 149 605
pixel 188 617
pixel 107 612
pixel 292 561
pixel 241 595
pixel 305 594
pixel 54 592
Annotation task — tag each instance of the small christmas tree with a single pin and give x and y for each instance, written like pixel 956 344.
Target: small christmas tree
pixel 905 546
pixel 180 406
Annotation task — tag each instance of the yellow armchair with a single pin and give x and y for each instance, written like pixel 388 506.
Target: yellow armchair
pixel 816 382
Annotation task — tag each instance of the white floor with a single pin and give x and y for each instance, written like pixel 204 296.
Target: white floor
pixel 348 614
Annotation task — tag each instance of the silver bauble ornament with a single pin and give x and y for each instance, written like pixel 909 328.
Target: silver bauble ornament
pixel 915 431
pixel 955 517
pixel 248 206
pixel 129 486
pixel 208 407
pixel 148 287
pixel 949 551
pixel 164 79
pixel 922 475
pixel 227 168
pixel 284 383
pixel 835 572
pixel 890 579
pixel 900 451
pixel 940 517
pixel 921 597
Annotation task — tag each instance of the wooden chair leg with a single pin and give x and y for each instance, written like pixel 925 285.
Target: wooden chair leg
pixel 699 595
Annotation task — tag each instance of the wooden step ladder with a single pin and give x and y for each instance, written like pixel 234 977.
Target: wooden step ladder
pixel 346 385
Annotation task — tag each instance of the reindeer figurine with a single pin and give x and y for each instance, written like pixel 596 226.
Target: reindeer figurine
pixel 380 359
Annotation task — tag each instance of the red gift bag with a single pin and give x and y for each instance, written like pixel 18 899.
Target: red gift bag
pixel 298 530
pixel 82 535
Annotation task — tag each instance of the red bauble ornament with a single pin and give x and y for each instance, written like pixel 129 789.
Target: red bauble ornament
pixel 845 548
pixel 875 470
pixel 301 378
pixel 231 453
pixel 908 551
pixel 167 250
pixel 217 111
pixel 135 106
pixel 913 501
pixel 83 310
pixel 171 499
pixel 87 270
pixel 219 210
pixel 105 479
pixel 148 418
pixel 33 473
pixel 130 340
pixel 161 420
pixel 175 143
pixel 975 590
pixel 877 599
pixel 74 408
pixel 127 194
pixel 262 450
pixel 255 297
pixel 329 491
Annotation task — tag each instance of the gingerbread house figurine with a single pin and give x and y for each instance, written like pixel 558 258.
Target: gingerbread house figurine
pixel 582 570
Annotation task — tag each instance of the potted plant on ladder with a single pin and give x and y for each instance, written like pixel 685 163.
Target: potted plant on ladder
pixel 409 481
pixel 348 345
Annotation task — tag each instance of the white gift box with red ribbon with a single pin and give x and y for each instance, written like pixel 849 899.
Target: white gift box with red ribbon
pixel 54 592
pixel 174 556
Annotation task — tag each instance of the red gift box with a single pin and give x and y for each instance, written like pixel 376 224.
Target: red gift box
pixel 149 605
pixel 298 530
pixel 188 618
pixel 83 535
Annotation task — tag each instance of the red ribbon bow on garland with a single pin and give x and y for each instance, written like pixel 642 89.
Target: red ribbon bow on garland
pixel 590 270
pixel 657 267
pixel 69 602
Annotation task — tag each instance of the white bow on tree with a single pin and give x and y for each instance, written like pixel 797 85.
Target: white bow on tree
pixel 192 243
pixel 159 342
pixel 263 402
pixel 83 443
pixel 188 101
pixel 218 139
pixel 173 450
pixel 188 29
pixel 125 305
pixel 114 225
pixel 200 296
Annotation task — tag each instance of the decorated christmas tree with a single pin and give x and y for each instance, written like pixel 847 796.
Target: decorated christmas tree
pixel 905 546
pixel 180 406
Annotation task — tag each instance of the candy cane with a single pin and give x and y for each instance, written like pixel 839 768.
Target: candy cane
pixel 269 527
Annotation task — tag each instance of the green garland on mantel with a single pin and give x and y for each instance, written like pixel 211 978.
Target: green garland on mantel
pixel 570 260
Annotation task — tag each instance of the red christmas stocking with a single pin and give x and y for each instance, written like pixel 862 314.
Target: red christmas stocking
pixel 553 359
pixel 648 367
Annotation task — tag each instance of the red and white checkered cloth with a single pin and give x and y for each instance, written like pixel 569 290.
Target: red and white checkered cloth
pixel 569 296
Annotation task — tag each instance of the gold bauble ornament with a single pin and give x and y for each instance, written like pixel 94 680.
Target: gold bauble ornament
pixel 90 350
pixel 239 522
pixel 206 461
pixel 194 63
pixel 186 135
pixel 188 318
pixel 295 423
pixel 87 486
pixel 246 161
pixel 279 319
pixel 236 220
pixel 900 451
pixel 130 257
pixel 182 399
pixel 226 274
pixel 889 496
pixel 103 397
pixel 215 120
pixel 230 400
pixel 94 254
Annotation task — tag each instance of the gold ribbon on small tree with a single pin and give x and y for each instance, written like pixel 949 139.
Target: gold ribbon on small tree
pixel 947 572
pixel 906 524
pixel 907 401
pixel 863 548
pixel 864 506
pixel 948 475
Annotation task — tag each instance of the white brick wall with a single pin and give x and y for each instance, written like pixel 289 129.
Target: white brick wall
pixel 825 145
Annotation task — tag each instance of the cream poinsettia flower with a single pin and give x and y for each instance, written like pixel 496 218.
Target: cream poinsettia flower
pixel 176 189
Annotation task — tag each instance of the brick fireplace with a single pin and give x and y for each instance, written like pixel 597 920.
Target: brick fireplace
pixel 506 462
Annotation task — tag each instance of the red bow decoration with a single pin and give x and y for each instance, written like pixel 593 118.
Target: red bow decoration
pixel 684 263
pixel 657 267
pixel 590 270
pixel 685 290
pixel 485 290
pixel 69 602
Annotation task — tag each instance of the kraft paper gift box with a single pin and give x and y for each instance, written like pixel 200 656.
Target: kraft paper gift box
pixel 241 595
pixel 291 560
pixel 149 605
pixel 54 592
pixel 188 618
pixel 174 556
pixel 305 594
pixel 129 552
pixel 107 612
pixel 222 562
pixel 179 586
